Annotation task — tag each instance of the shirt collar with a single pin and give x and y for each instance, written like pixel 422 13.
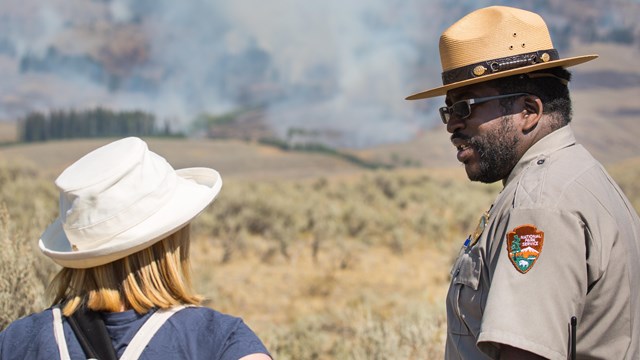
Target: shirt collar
pixel 553 142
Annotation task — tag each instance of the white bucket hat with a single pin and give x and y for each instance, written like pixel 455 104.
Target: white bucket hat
pixel 120 199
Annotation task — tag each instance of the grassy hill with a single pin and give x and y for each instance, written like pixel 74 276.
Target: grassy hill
pixel 232 158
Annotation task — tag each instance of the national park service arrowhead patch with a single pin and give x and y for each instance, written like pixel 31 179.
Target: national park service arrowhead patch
pixel 524 245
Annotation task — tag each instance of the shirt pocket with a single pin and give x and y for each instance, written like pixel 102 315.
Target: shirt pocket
pixel 467 296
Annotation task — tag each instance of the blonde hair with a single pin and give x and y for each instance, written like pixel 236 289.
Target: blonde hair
pixel 158 276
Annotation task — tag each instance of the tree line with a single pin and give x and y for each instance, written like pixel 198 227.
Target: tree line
pixel 99 122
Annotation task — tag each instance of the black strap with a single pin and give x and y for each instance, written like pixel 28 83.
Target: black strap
pixel 92 334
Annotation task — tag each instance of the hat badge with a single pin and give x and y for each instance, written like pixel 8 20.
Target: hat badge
pixel 479 70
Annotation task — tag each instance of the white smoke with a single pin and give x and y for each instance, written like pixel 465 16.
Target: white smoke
pixel 338 67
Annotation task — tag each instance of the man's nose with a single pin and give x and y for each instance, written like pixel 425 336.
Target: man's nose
pixel 454 124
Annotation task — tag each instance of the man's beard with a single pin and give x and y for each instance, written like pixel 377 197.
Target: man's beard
pixel 497 152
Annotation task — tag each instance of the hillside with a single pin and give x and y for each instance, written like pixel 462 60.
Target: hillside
pixel 234 159
pixel 240 160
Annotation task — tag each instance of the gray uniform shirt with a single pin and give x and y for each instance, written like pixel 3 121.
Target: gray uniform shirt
pixel 561 240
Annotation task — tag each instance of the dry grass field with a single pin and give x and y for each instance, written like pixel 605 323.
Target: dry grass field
pixel 323 260
pixel 323 265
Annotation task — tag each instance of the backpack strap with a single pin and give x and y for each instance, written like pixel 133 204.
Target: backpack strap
pixel 133 350
pixel 58 333
pixel 92 334
pixel 147 331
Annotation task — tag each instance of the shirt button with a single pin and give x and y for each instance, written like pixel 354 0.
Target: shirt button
pixel 540 162
pixel 457 272
pixel 463 316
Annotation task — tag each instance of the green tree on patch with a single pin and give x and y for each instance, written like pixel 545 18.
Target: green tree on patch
pixel 515 249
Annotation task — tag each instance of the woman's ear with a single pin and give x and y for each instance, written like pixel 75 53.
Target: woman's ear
pixel 532 112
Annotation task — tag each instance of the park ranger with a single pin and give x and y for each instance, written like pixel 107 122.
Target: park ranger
pixel 552 270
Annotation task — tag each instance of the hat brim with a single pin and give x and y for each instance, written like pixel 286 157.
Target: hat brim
pixel 197 188
pixel 442 90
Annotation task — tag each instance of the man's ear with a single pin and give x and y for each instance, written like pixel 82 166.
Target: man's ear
pixel 532 112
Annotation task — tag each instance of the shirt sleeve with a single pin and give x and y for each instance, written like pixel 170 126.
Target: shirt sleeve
pixel 32 337
pixel 530 303
pixel 1 344
pixel 242 341
pixel 200 332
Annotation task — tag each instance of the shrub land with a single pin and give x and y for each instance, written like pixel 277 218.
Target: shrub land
pixel 325 268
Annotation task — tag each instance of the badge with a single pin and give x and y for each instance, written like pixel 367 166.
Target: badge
pixel 524 245
pixel 479 70
pixel 545 57
pixel 484 219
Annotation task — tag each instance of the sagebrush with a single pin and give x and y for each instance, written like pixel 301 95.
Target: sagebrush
pixel 322 269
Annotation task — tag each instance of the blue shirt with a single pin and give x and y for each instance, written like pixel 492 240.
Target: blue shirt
pixel 192 333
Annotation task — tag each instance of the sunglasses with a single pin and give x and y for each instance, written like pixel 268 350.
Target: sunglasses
pixel 462 109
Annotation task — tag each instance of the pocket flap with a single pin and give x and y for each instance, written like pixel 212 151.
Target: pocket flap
pixel 468 272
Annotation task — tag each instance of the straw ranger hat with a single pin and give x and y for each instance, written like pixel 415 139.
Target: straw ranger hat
pixel 120 199
pixel 495 42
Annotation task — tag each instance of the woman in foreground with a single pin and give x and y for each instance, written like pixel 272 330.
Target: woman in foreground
pixel 122 239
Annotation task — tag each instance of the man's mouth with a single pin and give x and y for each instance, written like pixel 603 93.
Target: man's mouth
pixel 460 142
pixel 464 149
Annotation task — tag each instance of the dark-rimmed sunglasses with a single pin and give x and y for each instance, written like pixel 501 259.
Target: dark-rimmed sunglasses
pixel 462 109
